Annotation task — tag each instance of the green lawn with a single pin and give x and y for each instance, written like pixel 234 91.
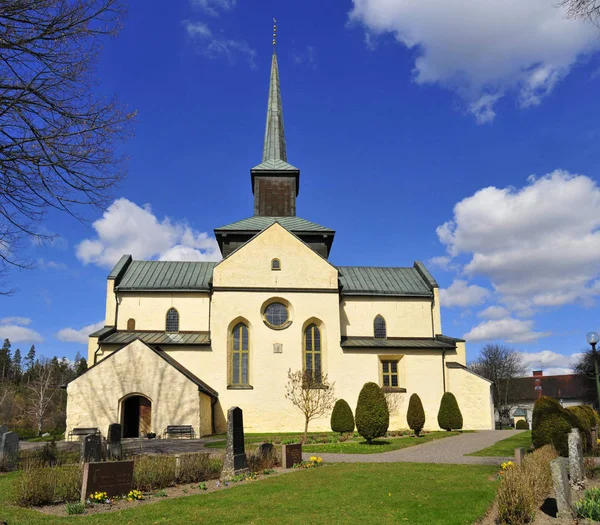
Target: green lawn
pixel 377 446
pixel 507 446
pixel 333 494
pixel 353 446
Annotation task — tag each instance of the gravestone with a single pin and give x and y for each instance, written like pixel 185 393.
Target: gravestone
pixel 9 449
pixel 594 437
pixel 266 453
pixel 576 465
pixel 3 429
pixel 562 489
pixel 235 456
pixel 519 455
pixel 291 455
pixel 91 448
pixel 113 439
pixel 114 477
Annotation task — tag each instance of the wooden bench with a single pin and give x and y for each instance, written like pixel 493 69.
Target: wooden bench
pixel 179 430
pixel 82 432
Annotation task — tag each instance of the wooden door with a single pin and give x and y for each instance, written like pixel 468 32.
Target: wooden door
pixel 145 416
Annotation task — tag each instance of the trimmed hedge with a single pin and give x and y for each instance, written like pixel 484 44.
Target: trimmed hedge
pixel 372 415
pixel 449 415
pixel 584 424
pixel 551 425
pixel 522 425
pixel 415 415
pixel 342 419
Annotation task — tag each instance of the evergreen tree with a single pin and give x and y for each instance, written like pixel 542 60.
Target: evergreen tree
pixel 5 360
pixel 17 369
pixel 81 367
pixel 30 358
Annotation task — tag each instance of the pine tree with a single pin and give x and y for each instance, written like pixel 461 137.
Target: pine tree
pixel 5 360
pixel 81 367
pixel 30 358
pixel 17 369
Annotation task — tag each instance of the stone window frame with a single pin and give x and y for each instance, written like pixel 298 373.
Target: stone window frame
pixel 314 326
pixel 390 358
pixel 275 265
pixel 231 385
pixel 172 309
pixel 379 332
pixel 288 307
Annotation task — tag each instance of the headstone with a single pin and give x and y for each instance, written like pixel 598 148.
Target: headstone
pixel 235 456
pixel 113 438
pixel 519 455
pixel 594 437
pixel 114 477
pixel 291 455
pixel 91 448
pixel 9 449
pixel 562 489
pixel 266 453
pixel 3 429
pixel 576 465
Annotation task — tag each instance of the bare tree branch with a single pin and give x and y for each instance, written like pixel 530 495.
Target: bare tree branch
pixel 582 9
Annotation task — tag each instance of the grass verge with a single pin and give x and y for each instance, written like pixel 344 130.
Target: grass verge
pixel 333 494
pixel 507 446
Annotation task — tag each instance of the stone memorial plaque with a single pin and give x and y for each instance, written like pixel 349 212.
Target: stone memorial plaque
pixel 9 449
pixel 291 455
pixel 277 348
pixel 114 433
pixel 234 461
pixel 91 448
pixel 238 430
pixel 115 478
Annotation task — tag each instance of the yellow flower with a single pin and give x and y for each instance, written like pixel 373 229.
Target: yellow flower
pixel 313 458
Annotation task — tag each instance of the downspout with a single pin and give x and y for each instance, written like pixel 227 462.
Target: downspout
pixel 116 310
pixel 96 354
pixel 212 413
pixel 444 369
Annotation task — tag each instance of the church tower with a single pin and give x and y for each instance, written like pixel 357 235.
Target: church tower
pixel 275 183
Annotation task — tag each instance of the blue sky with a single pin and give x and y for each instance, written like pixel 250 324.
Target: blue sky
pixel 461 134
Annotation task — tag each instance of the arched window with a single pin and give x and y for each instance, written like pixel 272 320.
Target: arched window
pixel 172 324
pixel 131 325
pixel 240 355
pixel 275 264
pixel 312 354
pixel 379 328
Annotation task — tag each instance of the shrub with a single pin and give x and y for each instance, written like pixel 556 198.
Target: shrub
pixel 589 506
pixel 551 425
pixel 415 415
pixel 372 416
pixel 39 485
pixel 198 467
pixel 582 422
pixel 75 508
pixel 522 425
pixel 153 472
pixel 592 415
pixel 342 419
pixel 449 415
pixel 523 488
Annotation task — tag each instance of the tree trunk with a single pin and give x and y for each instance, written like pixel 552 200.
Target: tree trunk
pixel 305 430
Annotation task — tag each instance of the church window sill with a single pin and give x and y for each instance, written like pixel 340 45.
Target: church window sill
pixel 392 389
pixel 240 387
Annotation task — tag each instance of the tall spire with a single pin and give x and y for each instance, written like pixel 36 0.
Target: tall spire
pixel 274 148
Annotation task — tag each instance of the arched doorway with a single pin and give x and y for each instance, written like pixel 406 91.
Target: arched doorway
pixel 136 416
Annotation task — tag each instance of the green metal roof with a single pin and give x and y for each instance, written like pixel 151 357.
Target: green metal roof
pixel 167 275
pixel 274 165
pixel 520 412
pixel 103 331
pixel 158 338
pixel 374 280
pixel 274 147
pixel 419 343
pixel 256 224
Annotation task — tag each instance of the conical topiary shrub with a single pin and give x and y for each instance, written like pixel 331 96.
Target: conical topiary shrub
pixel 415 415
pixel 551 424
pixel 372 415
pixel 342 419
pixel 449 416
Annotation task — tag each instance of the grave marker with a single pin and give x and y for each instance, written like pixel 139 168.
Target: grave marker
pixel 9 449
pixel 519 455
pixel 235 456
pixel 562 489
pixel 114 477
pixel 576 465
pixel 91 448
pixel 291 455
pixel 113 438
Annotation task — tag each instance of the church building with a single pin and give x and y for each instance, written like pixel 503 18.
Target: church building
pixel 185 341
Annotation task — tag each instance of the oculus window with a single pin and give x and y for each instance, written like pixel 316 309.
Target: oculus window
pixel 277 315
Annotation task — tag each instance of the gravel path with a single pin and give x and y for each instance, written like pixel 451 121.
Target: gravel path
pixel 447 450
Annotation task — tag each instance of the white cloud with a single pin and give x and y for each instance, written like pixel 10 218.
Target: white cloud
pixel 70 335
pixel 307 57
pixel 23 321
pixel 212 7
pixel 508 329
pixel 215 47
pixel 14 328
pixel 126 227
pixel 494 312
pixel 538 245
pixel 43 264
pixel 483 49
pixel 551 363
pixel 459 293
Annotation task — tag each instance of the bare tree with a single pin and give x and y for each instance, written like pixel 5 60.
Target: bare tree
pixel 582 9
pixel 314 398
pixel 393 401
pixel 43 387
pixel 59 140
pixel 500 364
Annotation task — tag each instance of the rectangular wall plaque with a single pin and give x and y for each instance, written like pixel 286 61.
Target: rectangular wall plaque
pixel 277 348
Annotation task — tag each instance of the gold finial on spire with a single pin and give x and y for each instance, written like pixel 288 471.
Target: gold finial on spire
pixel 274 33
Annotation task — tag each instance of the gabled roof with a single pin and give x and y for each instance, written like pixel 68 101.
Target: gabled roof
pixel 374 280
pixel 257 223
pixel 420 343
pixel 166 275
pixel 274 165
pixel 567 386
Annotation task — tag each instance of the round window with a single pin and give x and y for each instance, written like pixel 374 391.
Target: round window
pixel 276 314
